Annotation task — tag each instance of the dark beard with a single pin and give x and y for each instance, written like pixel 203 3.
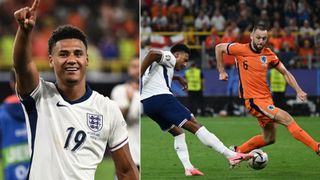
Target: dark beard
pixel 256 47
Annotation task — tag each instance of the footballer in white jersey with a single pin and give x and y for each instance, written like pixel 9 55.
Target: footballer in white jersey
pixel 157 78
pixel 79 132
pixel 163 108
pixel 69 125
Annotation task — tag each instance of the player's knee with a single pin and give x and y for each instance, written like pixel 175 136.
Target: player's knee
pixel 192 126
pixel 270 141
pixel 284 118
pixel 288 119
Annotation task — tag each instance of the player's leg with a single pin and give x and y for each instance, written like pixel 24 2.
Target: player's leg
pixel 161 110
pixel 212 141
pixel 268 137
pixel 176 113
pixel 284 118
pixel 264 111
pixel 181 148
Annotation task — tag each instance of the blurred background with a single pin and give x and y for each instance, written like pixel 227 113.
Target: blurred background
pixel 112 28
pixel 294 36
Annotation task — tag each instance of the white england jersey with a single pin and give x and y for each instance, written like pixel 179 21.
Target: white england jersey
pixel 68 139
pixel 157 78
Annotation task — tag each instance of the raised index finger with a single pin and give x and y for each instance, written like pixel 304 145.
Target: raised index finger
pixel 35 5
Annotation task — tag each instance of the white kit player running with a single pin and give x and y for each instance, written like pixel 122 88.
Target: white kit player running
pixel 69 125
pixel 157 71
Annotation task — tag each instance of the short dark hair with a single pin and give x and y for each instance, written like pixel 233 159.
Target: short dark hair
pixel 66 32
pixel 180 47
pixel 260 26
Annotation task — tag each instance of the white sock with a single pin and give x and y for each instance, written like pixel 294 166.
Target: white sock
pixel 209 139
pixel 181 148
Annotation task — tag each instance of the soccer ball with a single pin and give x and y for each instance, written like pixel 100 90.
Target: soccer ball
pixel 259 160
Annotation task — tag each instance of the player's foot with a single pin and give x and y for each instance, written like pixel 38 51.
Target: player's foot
pixel 193 172
pixel 318 152
pixel 235 160
pixel 233 148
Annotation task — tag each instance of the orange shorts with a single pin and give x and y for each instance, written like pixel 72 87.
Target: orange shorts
pixel 262 109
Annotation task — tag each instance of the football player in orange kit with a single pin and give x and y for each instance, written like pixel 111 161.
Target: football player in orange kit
pixel 253 60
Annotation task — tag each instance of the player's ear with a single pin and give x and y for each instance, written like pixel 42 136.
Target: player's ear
pixel 176 54
pixel 50 61
pixel 251 36
pixel 87 60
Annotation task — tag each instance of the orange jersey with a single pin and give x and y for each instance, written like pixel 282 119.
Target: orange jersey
pixel 252 68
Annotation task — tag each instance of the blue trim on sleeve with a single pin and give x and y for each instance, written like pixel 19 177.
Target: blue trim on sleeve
pixel 165 74
pixel 30 106
pixel 275 65
pixel 228 48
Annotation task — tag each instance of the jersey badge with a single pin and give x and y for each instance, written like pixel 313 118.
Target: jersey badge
pixel 263 59
pixel 167 57
pixel 95 122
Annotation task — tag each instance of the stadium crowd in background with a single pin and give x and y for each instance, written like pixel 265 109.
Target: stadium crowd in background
pixel 111 26
pixel 294 26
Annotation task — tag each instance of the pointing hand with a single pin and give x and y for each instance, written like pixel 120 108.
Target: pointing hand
pixel 26 17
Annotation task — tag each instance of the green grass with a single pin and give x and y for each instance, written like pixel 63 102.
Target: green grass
pixel 105 170
pixel 288 158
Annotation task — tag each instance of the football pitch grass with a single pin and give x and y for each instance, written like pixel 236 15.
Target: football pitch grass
pixel 288 158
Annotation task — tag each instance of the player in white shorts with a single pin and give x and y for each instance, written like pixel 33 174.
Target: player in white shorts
pixel 69 125
pixel 157 71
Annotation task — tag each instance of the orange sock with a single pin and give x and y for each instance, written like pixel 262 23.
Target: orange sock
pixel 253 143
pixel 299 134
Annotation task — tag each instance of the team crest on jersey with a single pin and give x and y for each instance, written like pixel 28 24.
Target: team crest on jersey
pixel 263 59
pixel 94 122
pixel 167 57
pixel 271 107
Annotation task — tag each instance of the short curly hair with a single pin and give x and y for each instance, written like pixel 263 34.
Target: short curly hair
pixel 180 48
pixel 66 32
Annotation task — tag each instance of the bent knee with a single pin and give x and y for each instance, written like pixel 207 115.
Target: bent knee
pixel 284 118
pixel 270 141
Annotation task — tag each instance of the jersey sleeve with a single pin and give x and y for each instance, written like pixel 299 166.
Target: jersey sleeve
pixel 167 59
pixel 274 60
pixel 235 49
pixel 118 136
pixel 35 94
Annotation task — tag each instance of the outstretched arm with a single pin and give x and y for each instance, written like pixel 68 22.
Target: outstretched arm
pixel 125 168
pixel 27 75
pixel 182 81
pixel 220 50
pixel 152 56
pixel 292 81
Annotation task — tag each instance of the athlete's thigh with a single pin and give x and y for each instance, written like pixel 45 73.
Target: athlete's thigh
pixel 262 109
pixel 175 113
pixel 164 125
pixel 284 118
pixel 153 107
